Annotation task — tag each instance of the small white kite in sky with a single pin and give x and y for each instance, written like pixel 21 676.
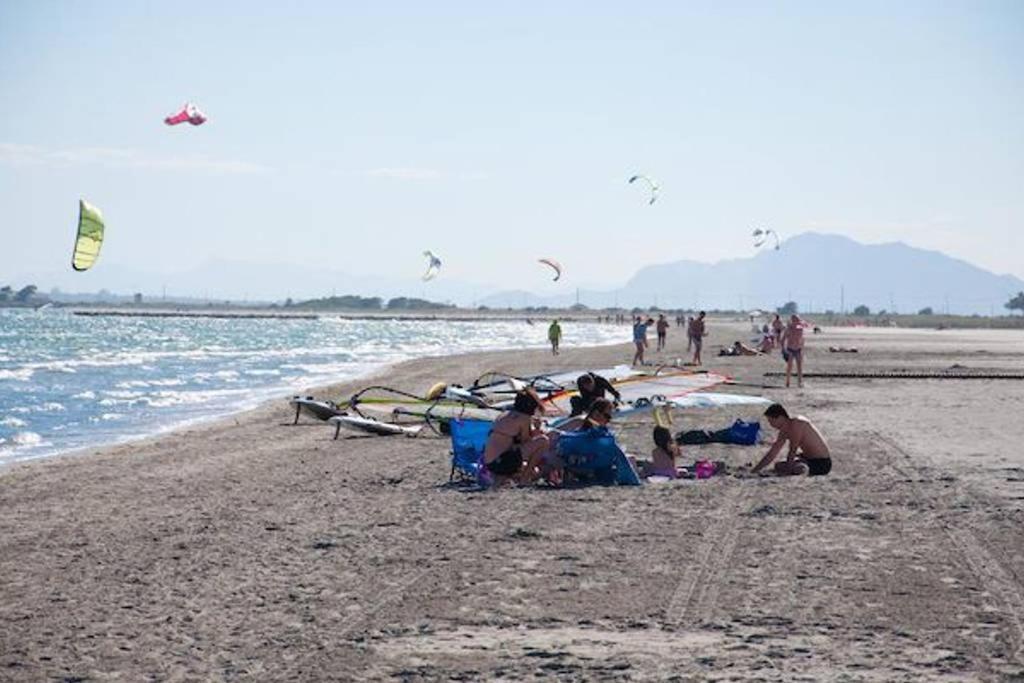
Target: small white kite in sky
pixel 555 265
pixel 761 236
pixel 433 266
pixel 653 185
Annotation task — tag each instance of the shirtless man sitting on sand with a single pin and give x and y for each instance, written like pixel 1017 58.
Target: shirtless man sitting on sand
pixel 808 452
pixel 516 445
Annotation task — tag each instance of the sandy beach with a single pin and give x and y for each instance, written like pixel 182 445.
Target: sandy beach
pixel 250 549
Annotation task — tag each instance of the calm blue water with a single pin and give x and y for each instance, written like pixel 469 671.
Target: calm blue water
pixel 69 382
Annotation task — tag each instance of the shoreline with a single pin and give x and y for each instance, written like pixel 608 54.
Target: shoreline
pixel 248 548
pixel 269 396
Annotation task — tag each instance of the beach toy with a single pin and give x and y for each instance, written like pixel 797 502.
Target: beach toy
pixel 704 469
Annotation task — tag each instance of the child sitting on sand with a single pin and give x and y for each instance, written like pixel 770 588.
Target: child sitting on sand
pixel 663 457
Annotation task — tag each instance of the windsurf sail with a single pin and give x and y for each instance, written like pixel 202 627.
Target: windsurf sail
pixel 89 238
pixel 495 384
pixel 645 391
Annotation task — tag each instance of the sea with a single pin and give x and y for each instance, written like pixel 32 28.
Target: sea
pixel 69 382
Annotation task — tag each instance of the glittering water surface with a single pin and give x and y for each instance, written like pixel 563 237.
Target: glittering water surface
pixel 69 382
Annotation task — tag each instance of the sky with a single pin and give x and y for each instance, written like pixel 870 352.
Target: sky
pixel 353 136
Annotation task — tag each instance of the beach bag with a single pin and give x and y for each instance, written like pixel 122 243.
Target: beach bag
pixel 744 433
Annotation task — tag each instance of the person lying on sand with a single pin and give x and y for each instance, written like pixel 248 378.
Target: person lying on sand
pixel 591 387
pixel 808 452
pixel 738 348
pixel 516 444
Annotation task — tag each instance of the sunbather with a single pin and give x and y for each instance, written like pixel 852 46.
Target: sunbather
pixel 808 452
pixel 516 444
pixel 738 348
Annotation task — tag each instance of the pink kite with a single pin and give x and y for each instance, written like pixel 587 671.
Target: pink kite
pixel 188 113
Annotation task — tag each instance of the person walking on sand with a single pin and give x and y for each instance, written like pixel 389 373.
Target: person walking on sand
pixel 697 331
pixel 808 451
pixel 662 329
pixel 792 343
pixel 777 327
pixel 555 336
pixel 640 339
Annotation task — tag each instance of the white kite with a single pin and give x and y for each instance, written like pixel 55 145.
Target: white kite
pixel 555 265
pixel 433 266
pixel 650 182
pixel 761 236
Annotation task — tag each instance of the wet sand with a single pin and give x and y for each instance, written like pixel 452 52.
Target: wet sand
pixel 250 549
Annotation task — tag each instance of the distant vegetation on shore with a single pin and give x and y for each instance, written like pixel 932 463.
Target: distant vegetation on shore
pixel 861 315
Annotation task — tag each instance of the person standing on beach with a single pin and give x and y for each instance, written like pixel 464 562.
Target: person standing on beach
pixel 662 329
pixel 808 452
pixel 777 327
pixel 555 336
pixel 689 339
pixel 792 342
pixel 697 332
pixel 640 339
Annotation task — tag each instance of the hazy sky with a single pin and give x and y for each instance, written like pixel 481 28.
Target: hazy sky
pixel 355 137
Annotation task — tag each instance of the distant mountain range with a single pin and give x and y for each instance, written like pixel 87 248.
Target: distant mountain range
pixel 819 272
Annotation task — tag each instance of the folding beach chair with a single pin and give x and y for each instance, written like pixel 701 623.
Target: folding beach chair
pixel 469 437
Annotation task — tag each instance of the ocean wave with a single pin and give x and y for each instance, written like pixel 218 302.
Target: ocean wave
pixel 21 440
pixel 12 422
pixel 19 375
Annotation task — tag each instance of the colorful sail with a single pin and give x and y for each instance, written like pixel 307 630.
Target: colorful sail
pixel 189 113
pixel 89 238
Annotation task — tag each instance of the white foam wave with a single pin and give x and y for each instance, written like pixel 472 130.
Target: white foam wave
pixel 19 375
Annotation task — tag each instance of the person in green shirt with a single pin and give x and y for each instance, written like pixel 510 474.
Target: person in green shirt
pixel 555 336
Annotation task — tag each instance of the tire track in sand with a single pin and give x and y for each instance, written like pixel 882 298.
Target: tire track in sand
pixel 997 579
pixel 696 594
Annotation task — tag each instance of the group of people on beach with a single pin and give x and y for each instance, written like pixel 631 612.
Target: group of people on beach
pixel 789 337
pixel 519 448
pixel 696 330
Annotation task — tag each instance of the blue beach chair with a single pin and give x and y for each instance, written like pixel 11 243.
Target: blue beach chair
pixel 469 437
